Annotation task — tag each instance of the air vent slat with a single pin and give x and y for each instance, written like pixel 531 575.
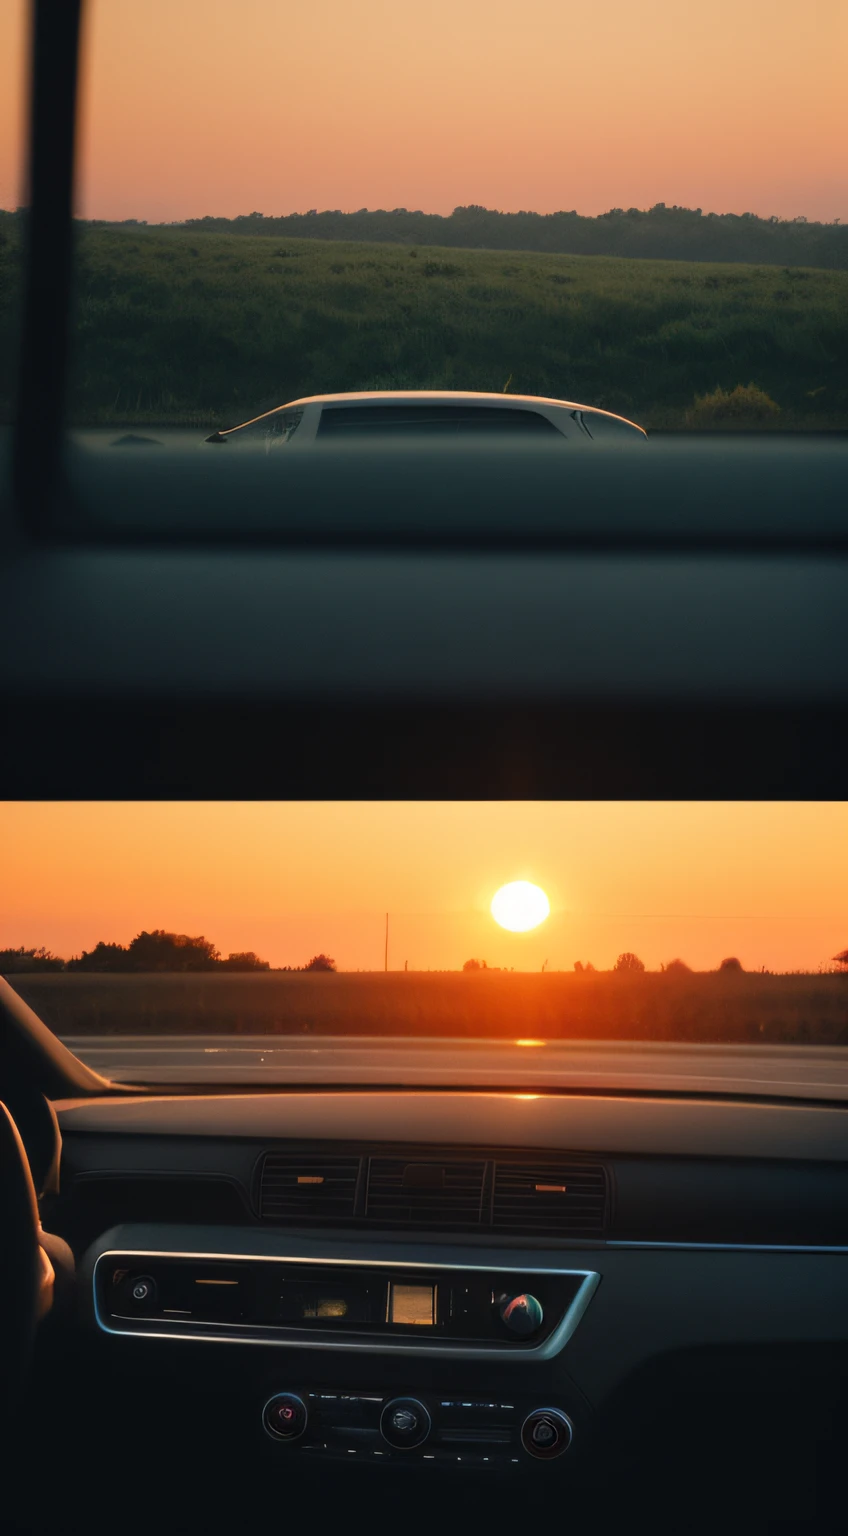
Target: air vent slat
pixel 302 1186
pixel 550 1199
pixel 402 1192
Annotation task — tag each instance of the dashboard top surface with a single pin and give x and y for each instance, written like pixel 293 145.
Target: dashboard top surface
pixel 580 1122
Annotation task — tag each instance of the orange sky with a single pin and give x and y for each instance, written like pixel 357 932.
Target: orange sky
pixel 200 106
pixel 768 883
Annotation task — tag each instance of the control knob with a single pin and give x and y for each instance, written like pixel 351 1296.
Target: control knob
pixel 404 1423
pixel 522 1314
pixel 546 1433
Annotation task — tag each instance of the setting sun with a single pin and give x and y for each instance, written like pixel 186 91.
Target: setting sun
pixel 520 906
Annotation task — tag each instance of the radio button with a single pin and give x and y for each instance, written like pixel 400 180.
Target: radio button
pixel 546 1433
pixel 140 1293
pixel 284 1416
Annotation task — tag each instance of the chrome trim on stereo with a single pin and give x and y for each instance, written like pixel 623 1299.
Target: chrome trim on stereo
pixel 373 1344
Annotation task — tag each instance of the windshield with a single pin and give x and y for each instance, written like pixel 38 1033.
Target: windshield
pixel 220 924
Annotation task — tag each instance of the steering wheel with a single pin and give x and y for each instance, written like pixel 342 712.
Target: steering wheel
pixel 21 1267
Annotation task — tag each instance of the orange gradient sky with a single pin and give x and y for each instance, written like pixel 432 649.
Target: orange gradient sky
pixel 768 883
pixel 193 107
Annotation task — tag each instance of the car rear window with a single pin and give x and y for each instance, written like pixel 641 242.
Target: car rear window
pixel 351 420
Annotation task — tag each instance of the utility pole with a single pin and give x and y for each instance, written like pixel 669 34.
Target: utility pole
pixel 386 955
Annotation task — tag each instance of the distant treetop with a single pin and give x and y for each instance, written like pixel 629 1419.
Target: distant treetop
pixel 320 963
pixel 244 960
pixel 154 951
pixel 14 961
pixel 162 951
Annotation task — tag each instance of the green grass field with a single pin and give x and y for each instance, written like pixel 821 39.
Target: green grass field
pixel 811 1010
pixel 187 328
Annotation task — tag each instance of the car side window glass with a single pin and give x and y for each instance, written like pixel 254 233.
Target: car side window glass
pixel 349 421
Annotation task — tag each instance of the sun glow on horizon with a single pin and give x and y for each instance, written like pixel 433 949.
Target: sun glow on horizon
pixel 520 906
pixel 373 108
pixel 765 882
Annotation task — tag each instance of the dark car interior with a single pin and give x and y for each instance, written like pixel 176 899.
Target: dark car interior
pixel 670 1352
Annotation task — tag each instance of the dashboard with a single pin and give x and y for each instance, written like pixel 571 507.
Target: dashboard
pixel 608 1296
pixel 448 1281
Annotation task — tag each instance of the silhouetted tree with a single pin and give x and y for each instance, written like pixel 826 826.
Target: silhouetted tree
pixel 320 963
pixel 154 951
pixel 677 967
pixel 841 958
pixel 731 964
pixel 161 951
pixel 578 966
pixel 628 962
pixel 475 965
pixel 103 957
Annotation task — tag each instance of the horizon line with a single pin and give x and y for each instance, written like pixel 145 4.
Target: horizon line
pixel 505 213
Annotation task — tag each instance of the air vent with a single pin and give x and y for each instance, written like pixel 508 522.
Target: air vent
pixel 297 1186
pixel 425 1194
pixel 550 1199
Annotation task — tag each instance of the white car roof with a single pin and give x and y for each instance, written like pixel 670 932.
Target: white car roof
pixel 434 397
pixel 449 396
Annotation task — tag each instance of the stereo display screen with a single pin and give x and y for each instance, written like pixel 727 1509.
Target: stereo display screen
pixel 411 1304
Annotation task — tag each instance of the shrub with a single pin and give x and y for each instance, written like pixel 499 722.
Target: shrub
pixel 16 961
pixel 475 965
pixel 441 269
pixel 320 963
pixel 678 967
pixel 746 405
pixel 731 964
pixel 244 960
pixel 628 962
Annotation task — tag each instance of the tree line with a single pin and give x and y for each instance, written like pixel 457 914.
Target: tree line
pixel 658 233
pixel 159 950
pixel 156 950
pixel 631 965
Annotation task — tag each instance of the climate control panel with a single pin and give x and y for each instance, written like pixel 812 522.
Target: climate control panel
pixel 486 1432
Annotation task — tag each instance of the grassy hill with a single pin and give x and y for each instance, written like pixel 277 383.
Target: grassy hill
pixel 181 327
pixel 659 233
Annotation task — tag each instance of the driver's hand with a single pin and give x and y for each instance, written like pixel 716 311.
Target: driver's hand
pixel 46 1281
